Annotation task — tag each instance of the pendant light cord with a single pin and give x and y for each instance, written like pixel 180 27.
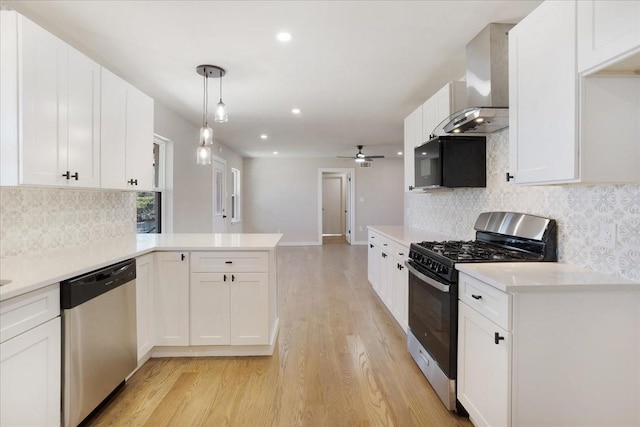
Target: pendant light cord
pixel 220 86
pixel 206 100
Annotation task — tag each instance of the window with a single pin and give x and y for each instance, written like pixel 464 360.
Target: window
pixel 149 203
pixel 235 195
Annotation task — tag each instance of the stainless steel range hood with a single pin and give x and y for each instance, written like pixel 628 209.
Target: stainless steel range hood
pixel 487 84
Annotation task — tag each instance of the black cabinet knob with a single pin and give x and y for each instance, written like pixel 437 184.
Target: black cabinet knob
pixel 497 338
pixel 182 257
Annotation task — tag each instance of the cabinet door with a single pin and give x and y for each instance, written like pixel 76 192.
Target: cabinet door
pixel 607 30
pixel 139 129
pixel 429 118
pixel 83 119
pixel 373 266
pixel 113 131
pixel 412 138
pixel 400 289
pixel 145 267
pixel 484 369
pixel 210 315
pixel 387 266
pixel 542 95
pixel 30 377
pixel 249 306
pixel 171 316
pixel 44 158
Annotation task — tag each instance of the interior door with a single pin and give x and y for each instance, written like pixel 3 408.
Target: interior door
pixel 347 208
pixel 219 195
pixel 332 206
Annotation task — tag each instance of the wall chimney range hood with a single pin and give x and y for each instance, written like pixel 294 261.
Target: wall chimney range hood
pixel 487 76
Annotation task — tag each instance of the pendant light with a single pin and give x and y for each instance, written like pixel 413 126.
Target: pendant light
pixel 221 109
pixel 203 153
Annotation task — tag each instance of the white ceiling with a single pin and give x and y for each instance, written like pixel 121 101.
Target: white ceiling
pixel 354 68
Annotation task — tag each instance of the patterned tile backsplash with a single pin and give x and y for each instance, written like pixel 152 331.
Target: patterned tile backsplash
pixel 581 212
pixel 36 220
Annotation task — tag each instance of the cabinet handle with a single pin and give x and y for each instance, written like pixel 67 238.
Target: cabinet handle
pixel 228 262
pixel 411 187
pixel 182 257
pixel 497 338
pixel 132 181
pixel 370 245
pixel 224 277
pixel 400 266
pixel 384 244
pixel 384 255
pixel 476 296
pixel 509 177
pixel 233 278
pixel 75 176
pixel 67 175
pixel 401 253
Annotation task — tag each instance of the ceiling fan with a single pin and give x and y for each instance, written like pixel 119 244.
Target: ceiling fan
pixel 361 157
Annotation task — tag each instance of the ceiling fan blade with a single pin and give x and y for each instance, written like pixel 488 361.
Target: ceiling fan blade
pixel 375 157
pixel 345 157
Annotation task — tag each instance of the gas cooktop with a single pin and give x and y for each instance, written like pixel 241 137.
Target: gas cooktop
pixel 470 251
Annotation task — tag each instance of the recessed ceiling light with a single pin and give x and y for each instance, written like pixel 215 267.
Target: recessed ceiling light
pixel 264 136
pixel 275 152
pixel 295 111
pixel 399 153
pixel 283 37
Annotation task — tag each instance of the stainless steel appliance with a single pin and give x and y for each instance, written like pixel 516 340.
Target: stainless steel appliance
pixel 433 287
pixel 99 337
pixel 451 162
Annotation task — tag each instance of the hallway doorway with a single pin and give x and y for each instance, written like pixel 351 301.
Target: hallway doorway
pixel 335 213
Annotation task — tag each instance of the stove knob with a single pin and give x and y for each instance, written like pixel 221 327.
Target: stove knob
pixel 443 269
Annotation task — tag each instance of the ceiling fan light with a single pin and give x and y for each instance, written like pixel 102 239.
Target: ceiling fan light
pixel 360 156
pixel 360 159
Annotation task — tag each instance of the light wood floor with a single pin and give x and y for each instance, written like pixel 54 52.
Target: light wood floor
pixel 341 360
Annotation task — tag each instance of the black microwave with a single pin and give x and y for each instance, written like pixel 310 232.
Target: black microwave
pixel 451 162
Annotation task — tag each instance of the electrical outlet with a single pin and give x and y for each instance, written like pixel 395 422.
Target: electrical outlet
pixel 608 235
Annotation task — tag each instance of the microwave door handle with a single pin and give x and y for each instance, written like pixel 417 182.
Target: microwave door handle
pixel 428 280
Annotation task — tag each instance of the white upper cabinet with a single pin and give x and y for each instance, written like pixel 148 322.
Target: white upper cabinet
pixel 126 134
pixel 565 127
pixel 542 95
pixel 608 30
pixel 449 99
pixel 419 125
pixel 51 115
pixel 412 138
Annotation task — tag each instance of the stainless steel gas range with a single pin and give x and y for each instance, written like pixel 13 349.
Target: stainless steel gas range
pixel 433 287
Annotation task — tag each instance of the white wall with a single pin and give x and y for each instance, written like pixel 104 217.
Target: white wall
pixel 579 209
pixel 192 183
pixel 282 195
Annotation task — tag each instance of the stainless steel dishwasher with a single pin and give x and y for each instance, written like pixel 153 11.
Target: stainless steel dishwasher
pixel 98 337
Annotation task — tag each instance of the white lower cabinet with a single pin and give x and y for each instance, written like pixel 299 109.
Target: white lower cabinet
pixel 483 368
pixel 551 355
pixel 229 298
pixel 388 275
pixel 145 269
pixel 30 359
pixel 171 296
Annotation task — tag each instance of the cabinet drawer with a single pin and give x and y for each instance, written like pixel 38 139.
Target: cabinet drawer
pixel 219 262
pixel 27 311
pixel 487 300
pixel 374 238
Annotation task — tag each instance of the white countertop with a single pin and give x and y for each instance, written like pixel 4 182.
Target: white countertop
pixel 407 235
pixel 543 276
pixel 32 272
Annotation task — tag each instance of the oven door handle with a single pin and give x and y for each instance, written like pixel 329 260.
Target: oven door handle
pixel 428 280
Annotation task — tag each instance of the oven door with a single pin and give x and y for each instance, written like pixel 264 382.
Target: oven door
pixel 433 316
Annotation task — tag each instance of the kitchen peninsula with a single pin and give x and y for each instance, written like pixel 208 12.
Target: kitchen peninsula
pixel 195 295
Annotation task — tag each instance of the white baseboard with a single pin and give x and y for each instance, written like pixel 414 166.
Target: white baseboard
pixel 299 244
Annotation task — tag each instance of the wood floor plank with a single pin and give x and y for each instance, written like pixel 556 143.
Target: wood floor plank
pixel 340 360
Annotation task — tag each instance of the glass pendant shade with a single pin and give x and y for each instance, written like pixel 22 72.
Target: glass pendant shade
pixel 206 135
pixel 221 113
pixel 203 155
